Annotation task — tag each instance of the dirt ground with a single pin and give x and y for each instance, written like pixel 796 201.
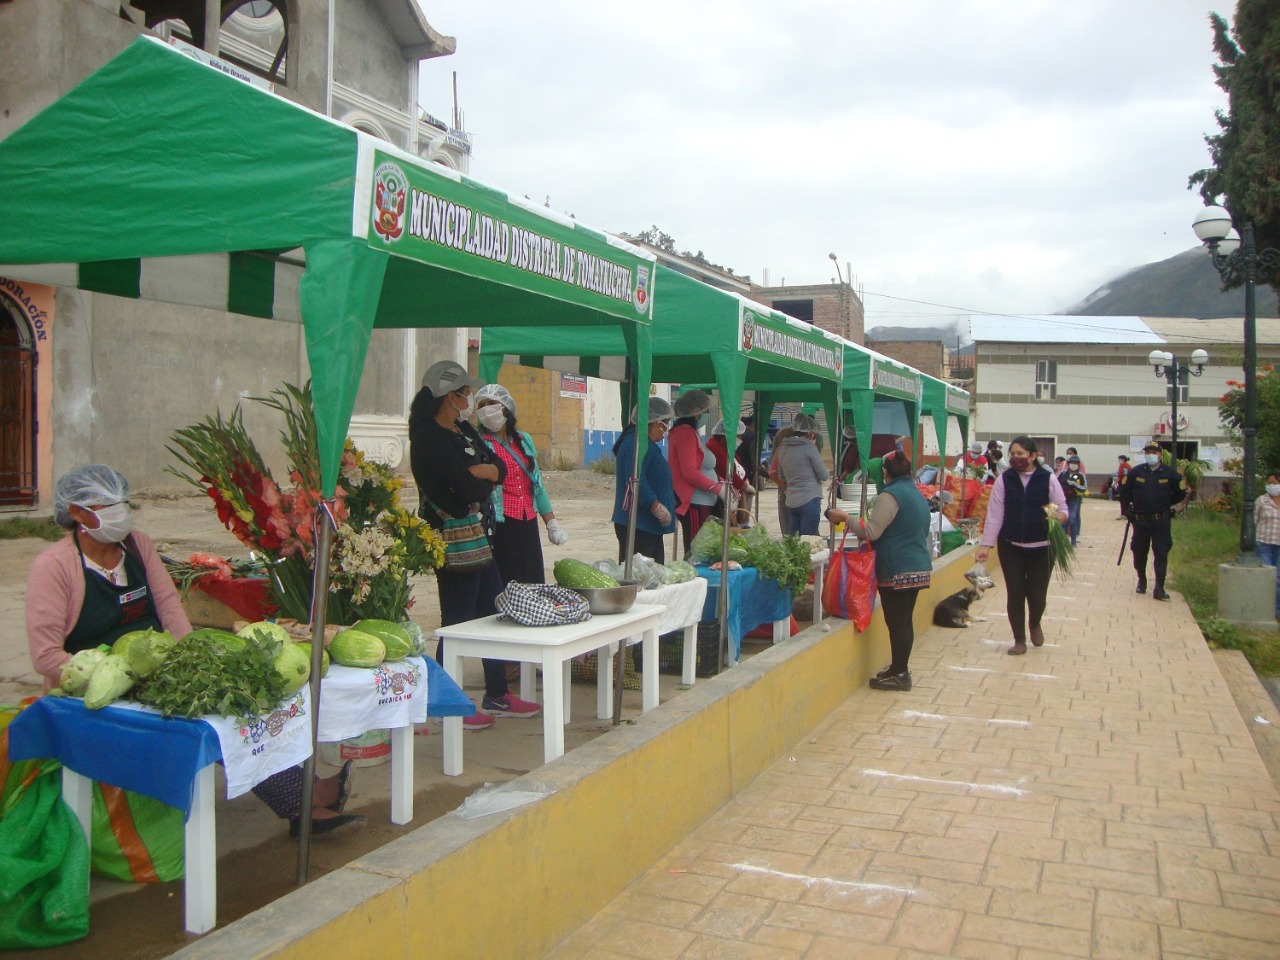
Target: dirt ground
pixel 257 861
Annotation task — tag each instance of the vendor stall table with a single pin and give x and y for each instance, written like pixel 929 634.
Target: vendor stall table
pixel 753 600
pixel 551 648
pixel 172 759
pixel 818 561
pixel 684 603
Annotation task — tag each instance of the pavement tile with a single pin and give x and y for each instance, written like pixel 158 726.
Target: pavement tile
pixel 650 941
pixel 729 915
pixel 1204 945
pixel 1132 906
pixel 833 923
pixel 1118 938
pixel 1071 943
pixel 1252 925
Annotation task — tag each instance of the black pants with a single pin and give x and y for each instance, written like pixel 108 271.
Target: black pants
pixel 899 607
pixel 647 544
pixel 467 596
pixel 1026 580
pixel 517 550
pixel 1157 535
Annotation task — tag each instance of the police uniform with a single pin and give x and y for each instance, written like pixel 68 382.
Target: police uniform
pixel 1147 497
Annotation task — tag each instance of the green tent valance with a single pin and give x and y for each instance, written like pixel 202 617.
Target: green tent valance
pixel 161 178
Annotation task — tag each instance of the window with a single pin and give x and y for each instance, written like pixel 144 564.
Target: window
pixel 1184 392
pixel 800 309
pixel 1046 379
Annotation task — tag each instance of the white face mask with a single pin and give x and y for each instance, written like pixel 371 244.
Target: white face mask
pixel 493 416
pixel 464 411
pixel 1273 489
pixel 114 523
pixel 1153 459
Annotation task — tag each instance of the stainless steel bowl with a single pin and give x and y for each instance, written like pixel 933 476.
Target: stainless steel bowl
pixel 617 599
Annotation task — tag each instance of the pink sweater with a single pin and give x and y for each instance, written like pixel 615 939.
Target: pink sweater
pixel 55 594
pixel 685 455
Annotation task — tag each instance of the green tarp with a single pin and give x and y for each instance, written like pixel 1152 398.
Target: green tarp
pixel 700 335
pixel 161 178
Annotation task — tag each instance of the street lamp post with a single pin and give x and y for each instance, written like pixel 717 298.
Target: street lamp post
pixel 844 303
pixel 1175 374
pixel 1233 257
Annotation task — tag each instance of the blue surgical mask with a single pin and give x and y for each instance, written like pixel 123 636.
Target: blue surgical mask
pixel 1153 459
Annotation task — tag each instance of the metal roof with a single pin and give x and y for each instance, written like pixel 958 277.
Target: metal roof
pixel 1181 330
pixel 1004 328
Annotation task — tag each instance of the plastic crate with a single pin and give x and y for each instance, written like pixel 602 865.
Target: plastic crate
pixel 671 651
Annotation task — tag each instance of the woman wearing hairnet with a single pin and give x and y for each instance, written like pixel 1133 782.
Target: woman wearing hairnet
pixel 801 474
pixel 693 466
pixel 732 471
pixel 655 512
pixel 521 497
pixel 105 579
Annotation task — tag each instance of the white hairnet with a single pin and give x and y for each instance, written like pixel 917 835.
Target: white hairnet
pixel 691 403
pixel 718 429
pixel 659 409
pixel 803 423
pixel 496 391
pixel 94 484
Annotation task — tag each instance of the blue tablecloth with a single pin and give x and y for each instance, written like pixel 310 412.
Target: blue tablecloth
pixel 154 755
pixel 753 600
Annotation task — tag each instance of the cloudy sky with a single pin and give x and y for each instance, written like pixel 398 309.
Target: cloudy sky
pixel 999 156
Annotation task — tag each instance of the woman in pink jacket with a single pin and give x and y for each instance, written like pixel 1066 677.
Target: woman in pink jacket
pixel 105 579
pixel 693 466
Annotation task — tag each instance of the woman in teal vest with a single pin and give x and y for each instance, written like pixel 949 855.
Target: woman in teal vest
pixel 898 525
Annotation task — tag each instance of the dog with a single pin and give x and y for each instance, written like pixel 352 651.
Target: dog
pixel 954 610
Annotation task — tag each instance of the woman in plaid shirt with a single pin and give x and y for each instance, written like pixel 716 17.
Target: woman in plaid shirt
pixel 1266 521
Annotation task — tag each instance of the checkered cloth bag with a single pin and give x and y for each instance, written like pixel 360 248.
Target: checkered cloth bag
pixel 541 605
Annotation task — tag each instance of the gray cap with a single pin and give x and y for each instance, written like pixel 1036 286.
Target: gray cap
pixel 659 409
pixel 94 484
pixel 446 376
pixel 691 403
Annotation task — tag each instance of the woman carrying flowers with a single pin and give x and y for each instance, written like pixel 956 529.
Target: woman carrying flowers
pixel 521 497
pixel 1017 525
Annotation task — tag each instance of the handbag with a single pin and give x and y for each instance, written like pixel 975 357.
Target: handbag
pixel 466 545
pixel 849 590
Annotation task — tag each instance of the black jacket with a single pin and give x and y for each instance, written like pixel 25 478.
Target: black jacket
pixel 1147 491
pixel 441 462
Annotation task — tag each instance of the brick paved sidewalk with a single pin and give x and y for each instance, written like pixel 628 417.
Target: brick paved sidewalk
pixel 1099 797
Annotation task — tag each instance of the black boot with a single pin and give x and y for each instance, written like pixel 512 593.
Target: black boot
pixel 1158 593
pixel 1142 584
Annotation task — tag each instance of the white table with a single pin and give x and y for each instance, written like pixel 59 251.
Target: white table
pixel 684 603
pixel 551 648
pixel 818 561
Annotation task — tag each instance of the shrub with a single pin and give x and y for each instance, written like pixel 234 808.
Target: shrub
pixel 605 465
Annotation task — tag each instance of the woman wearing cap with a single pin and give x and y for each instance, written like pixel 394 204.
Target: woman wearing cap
pixel 521 497
pixel 693 467
pixel 656 507
pixel 455 470
pixel 898 524
pixel 106 579
pixel 801 474
pixel 1017 527
pixel 719 448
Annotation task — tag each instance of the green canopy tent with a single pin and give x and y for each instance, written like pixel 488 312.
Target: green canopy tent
pixel 701 335
pixel 941 401
pixel 161 178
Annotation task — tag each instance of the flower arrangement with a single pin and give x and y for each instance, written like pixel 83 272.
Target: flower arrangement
pixel 378 546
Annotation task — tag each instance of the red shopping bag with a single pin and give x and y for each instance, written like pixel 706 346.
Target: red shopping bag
pixel 849 591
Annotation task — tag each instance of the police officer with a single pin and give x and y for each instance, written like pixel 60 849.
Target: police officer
pixel 1147 497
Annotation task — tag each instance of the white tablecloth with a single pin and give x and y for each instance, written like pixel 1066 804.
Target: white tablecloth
pixel 683 602
pixel 354 700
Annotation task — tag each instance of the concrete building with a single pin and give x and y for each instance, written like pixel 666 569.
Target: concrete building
pixel 834 307
pixel 88 377
pixel 1086 382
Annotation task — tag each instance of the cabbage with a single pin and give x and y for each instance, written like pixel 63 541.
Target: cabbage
pixel 269 633
pixel 147 652
pixel 77 671
pixel 111 680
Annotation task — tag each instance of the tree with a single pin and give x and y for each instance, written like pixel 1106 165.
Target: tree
pixel 1245 176
pixel 664 241
pixel 1231 413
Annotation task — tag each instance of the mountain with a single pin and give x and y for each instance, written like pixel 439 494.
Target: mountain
pixel 1185 285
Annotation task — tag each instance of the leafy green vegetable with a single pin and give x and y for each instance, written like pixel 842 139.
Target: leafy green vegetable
pixel 202 675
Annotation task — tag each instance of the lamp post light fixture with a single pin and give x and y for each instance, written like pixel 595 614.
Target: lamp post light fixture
pixel 1236 256
pixel 1175 374
pixel 845 321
